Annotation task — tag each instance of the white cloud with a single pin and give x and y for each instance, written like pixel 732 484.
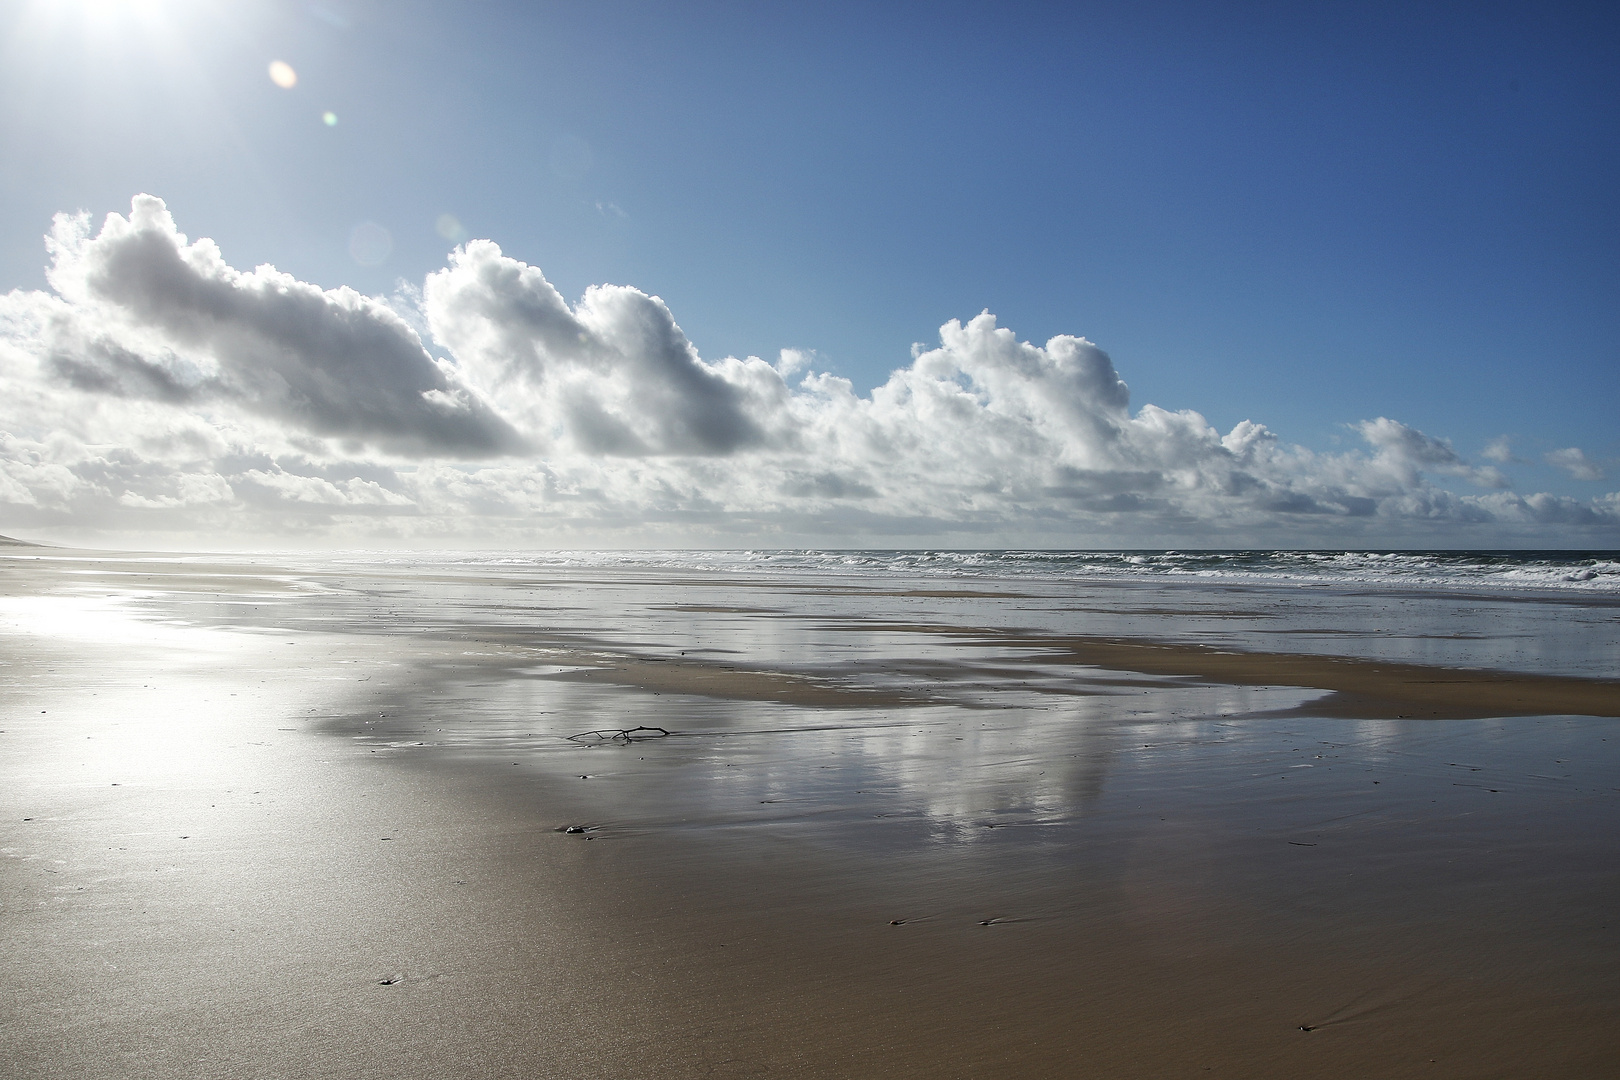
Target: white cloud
pixel 141 313
pixel 298 488
pixel 159 388
pixel 614 375
pixel 1408 453
pixel 1575 462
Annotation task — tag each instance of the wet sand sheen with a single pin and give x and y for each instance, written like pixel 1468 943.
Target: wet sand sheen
pixel 1360 689
pixel 1364 689
pixel 365 906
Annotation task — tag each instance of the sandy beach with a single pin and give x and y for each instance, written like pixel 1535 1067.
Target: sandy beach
pixel 310 817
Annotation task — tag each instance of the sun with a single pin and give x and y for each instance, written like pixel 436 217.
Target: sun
pixel 106 40
pixel 103 12
pixel 109 24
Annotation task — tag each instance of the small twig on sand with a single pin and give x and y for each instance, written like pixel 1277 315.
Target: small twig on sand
pixel 625 735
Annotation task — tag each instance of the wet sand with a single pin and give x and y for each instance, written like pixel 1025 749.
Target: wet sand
pixel 304 821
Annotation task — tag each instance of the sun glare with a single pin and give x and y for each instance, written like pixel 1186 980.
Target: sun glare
pixel 283 75
pixel 106 28
pixel 106 8
pixel 103 13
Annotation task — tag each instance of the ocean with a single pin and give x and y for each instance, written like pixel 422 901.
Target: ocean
pixel 1568 571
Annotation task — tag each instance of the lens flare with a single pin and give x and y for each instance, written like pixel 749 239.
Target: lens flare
pixel 450 228
pixel 283 75
pixel 370 244
pixel 329 119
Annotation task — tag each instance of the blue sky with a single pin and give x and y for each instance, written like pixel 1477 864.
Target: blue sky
pixel 1309 216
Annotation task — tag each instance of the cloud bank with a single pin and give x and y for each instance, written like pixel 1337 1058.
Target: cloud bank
pixel 156 389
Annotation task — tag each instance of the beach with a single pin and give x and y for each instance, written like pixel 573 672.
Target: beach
pixel 367 815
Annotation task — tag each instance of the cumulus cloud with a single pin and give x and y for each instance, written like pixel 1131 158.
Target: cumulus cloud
pixel 614 375
pixel 158 387
pixel 1408 453
pixel 142 313
pixel 1574 461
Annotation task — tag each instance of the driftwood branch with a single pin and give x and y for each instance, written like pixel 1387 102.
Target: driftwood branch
pixel 625 735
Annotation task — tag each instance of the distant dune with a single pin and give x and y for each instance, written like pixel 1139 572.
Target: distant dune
pixel 7 541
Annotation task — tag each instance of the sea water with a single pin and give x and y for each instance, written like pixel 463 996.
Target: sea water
pixel 1564 571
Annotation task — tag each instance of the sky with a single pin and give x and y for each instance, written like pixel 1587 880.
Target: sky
pixel 360 274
